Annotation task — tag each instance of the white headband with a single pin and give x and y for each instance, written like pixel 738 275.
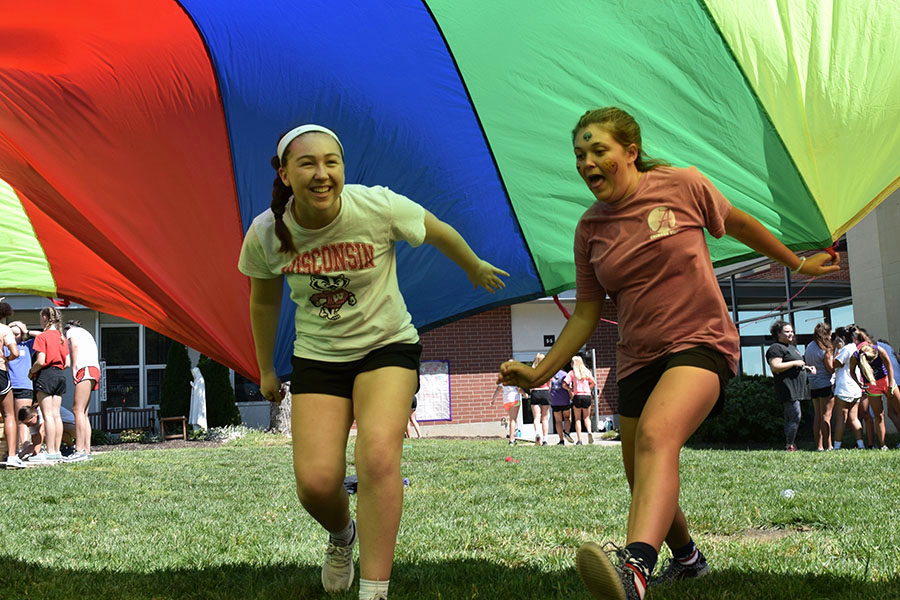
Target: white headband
pixel 297 131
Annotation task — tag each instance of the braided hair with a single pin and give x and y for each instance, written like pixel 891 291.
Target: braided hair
pixel 54 321
pixel 281 193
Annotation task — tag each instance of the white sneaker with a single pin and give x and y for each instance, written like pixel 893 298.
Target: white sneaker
pixel 337 570
pixel 40 459
pixel 77 456
pixel 14 462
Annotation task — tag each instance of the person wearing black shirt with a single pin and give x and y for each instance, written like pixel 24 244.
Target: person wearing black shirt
pixel 791 385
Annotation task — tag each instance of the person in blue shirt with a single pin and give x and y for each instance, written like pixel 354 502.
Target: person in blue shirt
pixel 22 387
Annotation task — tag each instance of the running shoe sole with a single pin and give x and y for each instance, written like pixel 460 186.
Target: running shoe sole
pixel 598 574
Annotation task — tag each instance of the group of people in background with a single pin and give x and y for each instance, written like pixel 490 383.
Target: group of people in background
pixel 569 394
pixel 843 369
pixel 32 384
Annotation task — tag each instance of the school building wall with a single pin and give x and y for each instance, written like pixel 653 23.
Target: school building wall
pixel 476 346
pixel 874 248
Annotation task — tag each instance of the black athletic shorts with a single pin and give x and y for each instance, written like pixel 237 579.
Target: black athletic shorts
pixel 581 401
pixel 824 392
pixel 540 397
pixel 559 409
pixel 415 402
pixel 51 381
pixel 635 389
pixel 336 378
pixel 5 383
pixel 23 394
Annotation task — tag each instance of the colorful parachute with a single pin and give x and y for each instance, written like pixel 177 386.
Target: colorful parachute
pixel 135 138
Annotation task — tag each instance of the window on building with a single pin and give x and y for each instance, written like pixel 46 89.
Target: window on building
pixel 245 390
pixel 842 316
pixel 752 360
pixel 119 347
pixel 156 353
pixel 133 377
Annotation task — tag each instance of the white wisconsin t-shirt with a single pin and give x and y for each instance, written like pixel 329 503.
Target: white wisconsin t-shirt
pixel 344 275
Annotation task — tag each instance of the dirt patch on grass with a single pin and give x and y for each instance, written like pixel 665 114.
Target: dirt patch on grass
pixel 762 535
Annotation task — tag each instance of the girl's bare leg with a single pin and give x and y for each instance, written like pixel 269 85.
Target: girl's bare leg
pixel 80 402
pixel 10 424
pixel 381 401
pixel 651 446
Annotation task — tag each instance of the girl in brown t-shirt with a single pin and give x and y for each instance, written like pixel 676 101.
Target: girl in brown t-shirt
pixel 642 243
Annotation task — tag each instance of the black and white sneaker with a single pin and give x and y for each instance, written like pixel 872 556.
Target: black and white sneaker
pixel 674 571
pixel 606 580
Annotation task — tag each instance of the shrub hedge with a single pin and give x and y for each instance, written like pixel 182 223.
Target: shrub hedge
pixel 751 415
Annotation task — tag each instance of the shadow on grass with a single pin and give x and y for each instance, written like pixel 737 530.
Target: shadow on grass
pixel 447 580
pixel 751 585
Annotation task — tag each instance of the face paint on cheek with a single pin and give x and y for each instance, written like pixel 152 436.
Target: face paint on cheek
pixel 587 136
pixel 611 166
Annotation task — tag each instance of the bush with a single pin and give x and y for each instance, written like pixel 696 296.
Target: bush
pixel 197 435
pixel 175 395
pixel 100 438
pixel 751 414
pixel 133 436
pixel 221 408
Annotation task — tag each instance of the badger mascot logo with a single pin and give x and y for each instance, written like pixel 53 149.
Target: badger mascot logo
pixel 332 295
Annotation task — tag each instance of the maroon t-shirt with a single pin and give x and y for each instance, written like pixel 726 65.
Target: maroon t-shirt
pixel 55 352
pixel 648 253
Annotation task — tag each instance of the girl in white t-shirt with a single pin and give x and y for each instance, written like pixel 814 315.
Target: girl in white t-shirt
pixel 579 384
pixel 86 377
pixel 356 352
pixel 512 401
pixel 846 392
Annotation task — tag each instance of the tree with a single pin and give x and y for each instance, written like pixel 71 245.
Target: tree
pixel 175 395
pixel 221 408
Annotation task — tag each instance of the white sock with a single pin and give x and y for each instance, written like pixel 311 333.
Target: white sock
pixel 346 536
pixel 860 445
pixel 368 589
pixel 837 445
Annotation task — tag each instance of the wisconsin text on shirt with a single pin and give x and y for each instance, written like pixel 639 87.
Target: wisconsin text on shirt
pixel 343 256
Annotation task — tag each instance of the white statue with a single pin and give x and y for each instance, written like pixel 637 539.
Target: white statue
pixel 198 400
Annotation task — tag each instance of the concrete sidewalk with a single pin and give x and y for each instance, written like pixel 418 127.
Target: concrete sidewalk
pixel 495 431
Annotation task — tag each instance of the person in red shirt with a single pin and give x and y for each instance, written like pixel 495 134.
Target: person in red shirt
pixel 51 359
pixel 642 243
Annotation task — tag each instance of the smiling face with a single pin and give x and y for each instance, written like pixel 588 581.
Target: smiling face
pixel 786 335
pixel 605 165
pixel 314 170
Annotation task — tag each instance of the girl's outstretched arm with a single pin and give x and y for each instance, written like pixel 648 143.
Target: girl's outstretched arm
pixel 751 232
pixel 573 336
pixel 446 239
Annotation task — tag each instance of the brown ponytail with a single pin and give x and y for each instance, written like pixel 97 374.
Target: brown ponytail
pixel 280 195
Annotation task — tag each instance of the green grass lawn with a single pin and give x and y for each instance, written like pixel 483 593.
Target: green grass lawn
pixel 224 522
